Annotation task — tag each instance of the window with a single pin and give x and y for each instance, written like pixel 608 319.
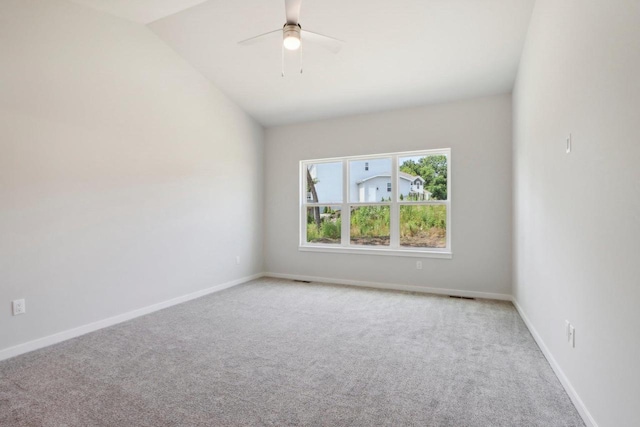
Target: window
pixel 345 208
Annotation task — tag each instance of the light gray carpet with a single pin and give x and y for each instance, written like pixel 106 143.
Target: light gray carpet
pixel 278 353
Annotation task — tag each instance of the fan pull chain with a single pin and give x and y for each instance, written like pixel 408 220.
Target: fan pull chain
pixel 300 58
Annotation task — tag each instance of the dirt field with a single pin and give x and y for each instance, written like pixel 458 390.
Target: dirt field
pixel 434 238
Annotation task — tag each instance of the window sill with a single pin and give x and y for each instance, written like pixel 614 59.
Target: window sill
pixel 426 253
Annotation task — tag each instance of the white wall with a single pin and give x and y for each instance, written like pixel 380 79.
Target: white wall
pixel 577 216
pixel 118 167
pixel 479 133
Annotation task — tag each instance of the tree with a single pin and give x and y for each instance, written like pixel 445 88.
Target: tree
pixel 311 187
pixel 433 169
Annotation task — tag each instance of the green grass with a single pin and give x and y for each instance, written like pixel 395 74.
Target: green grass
pixel 374 222
pixel 370 221
pixel 417 219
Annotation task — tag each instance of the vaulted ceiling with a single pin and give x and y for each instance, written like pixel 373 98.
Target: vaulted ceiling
pixel 397 54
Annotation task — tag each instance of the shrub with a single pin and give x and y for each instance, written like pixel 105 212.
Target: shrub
pixel 312 232
pixel 370 221
pixel 331 230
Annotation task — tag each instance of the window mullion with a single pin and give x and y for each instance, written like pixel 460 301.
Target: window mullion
pixel 394 227
pixel 346 211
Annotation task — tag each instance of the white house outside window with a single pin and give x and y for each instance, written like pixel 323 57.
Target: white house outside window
pixel 390 204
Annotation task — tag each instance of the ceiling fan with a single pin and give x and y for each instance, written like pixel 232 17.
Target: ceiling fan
pixel 293 35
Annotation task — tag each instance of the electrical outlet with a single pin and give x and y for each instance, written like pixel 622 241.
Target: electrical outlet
pixel 419 265
pixel 238 259
pixel 19 307
pixel 567 330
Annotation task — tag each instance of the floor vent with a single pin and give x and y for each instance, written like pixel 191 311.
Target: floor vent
pixel 302 281
pixel 455 296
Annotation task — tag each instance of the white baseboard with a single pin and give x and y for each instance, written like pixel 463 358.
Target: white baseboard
pixel 91 327
pixel 393 286
pixel 573 395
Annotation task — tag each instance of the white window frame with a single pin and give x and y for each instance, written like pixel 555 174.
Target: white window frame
pixel 394 248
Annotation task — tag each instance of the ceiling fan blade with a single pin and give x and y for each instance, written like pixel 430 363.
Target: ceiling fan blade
pixel 261 37
pixel 330 43
pixel 292 8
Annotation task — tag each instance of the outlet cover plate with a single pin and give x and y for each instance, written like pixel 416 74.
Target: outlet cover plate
pixel 19 307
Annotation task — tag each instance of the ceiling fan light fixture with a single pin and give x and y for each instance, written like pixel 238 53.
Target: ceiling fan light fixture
pixel 291 43
pixel 291 37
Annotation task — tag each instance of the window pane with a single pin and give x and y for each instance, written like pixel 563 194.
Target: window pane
pixel 324 224
pixel 423 226
pixel 369 180
pixel 422 178
pixel 324 182
pixel 370 225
